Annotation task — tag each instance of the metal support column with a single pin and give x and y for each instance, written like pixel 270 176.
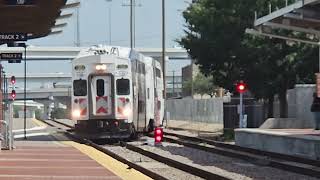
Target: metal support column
pixel 10 134
pixel 25 93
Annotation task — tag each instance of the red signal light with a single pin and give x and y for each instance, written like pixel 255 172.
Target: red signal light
pixel 241 87
pixel 13 80
pixel 13 94
pixel 158 135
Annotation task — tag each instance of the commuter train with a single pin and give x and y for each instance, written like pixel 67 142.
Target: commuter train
pixel 117 92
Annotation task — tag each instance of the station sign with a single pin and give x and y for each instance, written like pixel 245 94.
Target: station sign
pixel 19 2
pixel 11 57
pixel 9 37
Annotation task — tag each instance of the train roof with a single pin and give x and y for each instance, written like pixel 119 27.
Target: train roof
pixel 122 52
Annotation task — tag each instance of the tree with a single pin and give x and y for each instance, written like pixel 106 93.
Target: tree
pixel 201 85
pixel 215 37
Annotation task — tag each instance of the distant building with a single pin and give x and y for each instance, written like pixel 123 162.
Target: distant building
pixel 187 73
pixel 174 84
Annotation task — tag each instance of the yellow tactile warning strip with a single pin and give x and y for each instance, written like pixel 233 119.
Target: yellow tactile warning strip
pixel 108 162
pixel 39 123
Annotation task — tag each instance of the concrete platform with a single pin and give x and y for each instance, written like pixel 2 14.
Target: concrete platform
pixel 49 155
pixel 297 142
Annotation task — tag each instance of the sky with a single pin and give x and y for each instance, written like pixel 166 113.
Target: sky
pixel 94 27
pixel 94 24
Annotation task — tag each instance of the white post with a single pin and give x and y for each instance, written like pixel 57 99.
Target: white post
pixel 10 126
pixel 241 113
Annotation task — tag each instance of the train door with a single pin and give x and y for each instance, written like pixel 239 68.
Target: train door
pixel 141 97
pixel 101 100
pixel 158 96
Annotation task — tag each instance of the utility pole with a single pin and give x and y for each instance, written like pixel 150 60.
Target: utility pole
pixel 164 47
pixel 131 24
pixel 134 23
pixel 78 28
pixel 110 21
pixel 164 60
pixel 132 6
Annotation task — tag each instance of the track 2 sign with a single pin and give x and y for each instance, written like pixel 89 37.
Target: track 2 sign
pixel 11 57
pixel 9 37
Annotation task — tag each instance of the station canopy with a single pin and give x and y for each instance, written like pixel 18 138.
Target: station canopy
pixel 36 18
pixel 300 16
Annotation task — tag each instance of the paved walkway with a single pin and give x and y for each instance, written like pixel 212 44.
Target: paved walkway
pixel 49 155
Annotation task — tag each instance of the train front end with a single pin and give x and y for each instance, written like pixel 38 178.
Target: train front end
pixel 102 97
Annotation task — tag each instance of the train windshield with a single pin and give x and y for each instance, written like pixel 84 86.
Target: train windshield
pixel 123 87
pixel 100 87
pixel 80 87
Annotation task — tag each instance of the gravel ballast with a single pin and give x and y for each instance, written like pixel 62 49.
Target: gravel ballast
pixel 157 167
pixel 228 167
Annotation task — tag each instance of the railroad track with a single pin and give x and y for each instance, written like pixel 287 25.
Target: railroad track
pixel 100 148
pixel 63 124
pixel 284 162
pixel 170 162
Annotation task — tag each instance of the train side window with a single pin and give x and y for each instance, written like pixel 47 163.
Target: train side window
pixel 158 73
pixel 123 87
pixel 143 69
pixel 148 91
pixel 80 87
pixel 100 87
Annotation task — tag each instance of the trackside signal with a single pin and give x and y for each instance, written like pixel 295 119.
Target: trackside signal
pixel 158 135
pixel 241 87
pixel 13 94
pixel 13 80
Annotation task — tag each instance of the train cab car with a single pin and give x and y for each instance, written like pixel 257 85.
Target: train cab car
pixel 116 93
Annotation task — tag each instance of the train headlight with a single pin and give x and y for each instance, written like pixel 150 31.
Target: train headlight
pixel 100 67
pixel 76 113
pixel 126 112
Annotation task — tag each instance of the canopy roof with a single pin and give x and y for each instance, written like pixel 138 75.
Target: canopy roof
pixel 36 18
pixel 301 16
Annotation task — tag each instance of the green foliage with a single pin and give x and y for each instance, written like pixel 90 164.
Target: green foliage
pixel 59 113
pixel 215 37
pixel 16 110
pixel 38 114
pixel 201 85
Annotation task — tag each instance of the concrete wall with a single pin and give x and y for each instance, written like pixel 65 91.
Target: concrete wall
pixel 299 104
pixel 204 110
pixel 29 114
pixel 304 97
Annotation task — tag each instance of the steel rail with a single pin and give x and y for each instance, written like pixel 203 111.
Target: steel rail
pixel 250 157
pixel 135 166
pixel 176 164
pixel 61 123
pixel 248 150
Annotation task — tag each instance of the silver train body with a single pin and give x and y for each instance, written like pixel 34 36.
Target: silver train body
pixel 116 93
